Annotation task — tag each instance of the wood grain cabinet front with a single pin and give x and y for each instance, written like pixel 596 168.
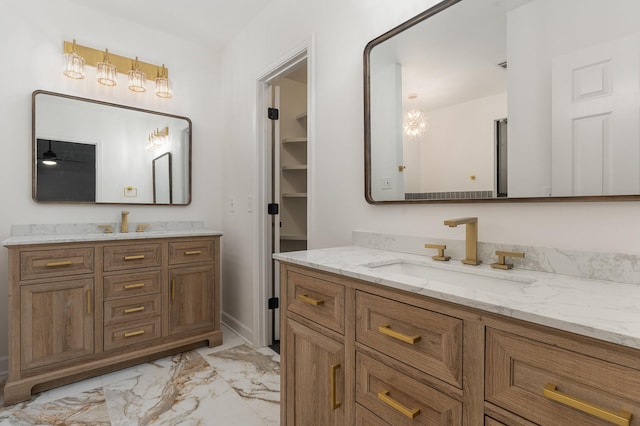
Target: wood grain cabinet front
pixel 81 309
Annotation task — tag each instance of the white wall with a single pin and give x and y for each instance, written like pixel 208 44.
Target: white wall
pixel 341 29
pixel 34 31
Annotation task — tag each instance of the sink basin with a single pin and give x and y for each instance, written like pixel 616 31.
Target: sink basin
pixel 453 274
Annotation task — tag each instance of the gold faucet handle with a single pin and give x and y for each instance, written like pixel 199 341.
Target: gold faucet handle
pixel 108 229
pixel 440 248
pixel 142 226
pixel 502 255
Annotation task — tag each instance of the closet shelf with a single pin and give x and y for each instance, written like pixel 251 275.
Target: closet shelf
pixel 301 116
pixel 295 140
pixel 293 237
pixel 294 195
pixel 300 167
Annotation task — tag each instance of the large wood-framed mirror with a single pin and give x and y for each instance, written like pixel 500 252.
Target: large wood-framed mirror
pixel 505 100
pixel 88 151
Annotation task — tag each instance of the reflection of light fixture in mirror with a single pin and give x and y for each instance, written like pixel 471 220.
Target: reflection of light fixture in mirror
pixel 107 72
pixel 414 122
pixel 137 79
pixel 163 88
pixel 157 139
pixel 49 157
pixel 73 63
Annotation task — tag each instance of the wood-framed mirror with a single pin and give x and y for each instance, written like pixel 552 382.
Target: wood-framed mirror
pixel 505 100
pixel 94 152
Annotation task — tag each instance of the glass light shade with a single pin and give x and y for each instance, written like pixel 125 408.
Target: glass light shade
pixel 414 124
pixel 73 65
pixel 137 81
pixel 107 72
pixel 163 88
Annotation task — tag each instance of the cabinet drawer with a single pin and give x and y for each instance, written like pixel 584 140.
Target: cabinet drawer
pixel 399 399
pixel 190 252
pixel 423 339
pixel 132 256
pixel 519 369
pixel 319 300
pixel 130 333
pixel 119 286
pixel 365 417
pixel 133 308
pixel 56 262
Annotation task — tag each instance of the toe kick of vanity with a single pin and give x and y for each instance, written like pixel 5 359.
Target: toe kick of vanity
pixel 80 309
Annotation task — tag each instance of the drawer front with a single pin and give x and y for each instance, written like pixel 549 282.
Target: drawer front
pixel 130 333
pixel 130 309
pixel 365 417
pixel 132 256
pixel 190 252
pixel 56 262
pixel 519 369
pixel 423 339
pixel 119 286
pixel 319 300
pixel 488 421
pixel 401 400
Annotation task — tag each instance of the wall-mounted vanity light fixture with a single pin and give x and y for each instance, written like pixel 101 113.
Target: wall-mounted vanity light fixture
pixel 108 65
pixel 157 139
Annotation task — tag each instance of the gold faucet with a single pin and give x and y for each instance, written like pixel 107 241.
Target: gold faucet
pixel 471 244
pixel 125 223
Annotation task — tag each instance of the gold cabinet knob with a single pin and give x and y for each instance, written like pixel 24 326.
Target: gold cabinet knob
pixel 440 247
pixel 502 255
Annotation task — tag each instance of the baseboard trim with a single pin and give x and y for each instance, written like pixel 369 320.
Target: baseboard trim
pixel 238 327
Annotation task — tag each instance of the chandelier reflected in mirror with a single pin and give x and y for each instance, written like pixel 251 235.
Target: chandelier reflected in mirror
pixel 414 122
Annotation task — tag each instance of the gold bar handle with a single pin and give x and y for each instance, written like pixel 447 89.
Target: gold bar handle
pixel 173 289
pixel 132 310
pixel 132 286
pixel 63 263
pixel 334 404
pixel 309 300
pixel 136 257
pixel 89 302
pixel 412 340
pixel 621 418
pixel 411 413
pixel 191 253
pixel 133 333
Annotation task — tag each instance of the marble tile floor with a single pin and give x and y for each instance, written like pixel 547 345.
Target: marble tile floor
pixel 232 384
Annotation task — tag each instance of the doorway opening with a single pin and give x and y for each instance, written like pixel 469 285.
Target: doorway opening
pixel 285 153
pixel 501 158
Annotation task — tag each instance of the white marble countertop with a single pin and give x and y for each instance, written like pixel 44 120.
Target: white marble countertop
pixel 604 310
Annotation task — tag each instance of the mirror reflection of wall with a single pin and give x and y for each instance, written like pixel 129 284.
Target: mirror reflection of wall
pixel 565 74
pixel 121 136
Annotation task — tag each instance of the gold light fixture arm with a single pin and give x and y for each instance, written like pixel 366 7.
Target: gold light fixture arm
pixel 123 64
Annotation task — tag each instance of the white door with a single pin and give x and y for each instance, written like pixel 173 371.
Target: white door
pixel 596 120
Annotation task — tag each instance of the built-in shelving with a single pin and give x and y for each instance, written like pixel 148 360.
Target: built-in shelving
pixel 294 237
pixel 295 140
pixel 294 195
pixel 298 167
pixel 302 116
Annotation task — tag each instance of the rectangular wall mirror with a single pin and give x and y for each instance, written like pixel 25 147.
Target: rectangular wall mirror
pixel 505 100
pixel 87 151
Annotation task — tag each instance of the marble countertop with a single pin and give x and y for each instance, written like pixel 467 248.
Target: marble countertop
pixel 604 310
pixel 72 233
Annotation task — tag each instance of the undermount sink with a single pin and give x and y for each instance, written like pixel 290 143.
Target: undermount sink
pixel 446 273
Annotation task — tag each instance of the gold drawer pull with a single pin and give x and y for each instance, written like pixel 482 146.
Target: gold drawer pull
pixel 621 418
pixel 334 404
pixel 309 300
pixel 132 286
pixel 133 333
pixel 411 413
pixel 63 263
pixel 173 289
pixel 412 340
pixel 137 257
pixel 89 302
pixel 132 310
pixel 191 253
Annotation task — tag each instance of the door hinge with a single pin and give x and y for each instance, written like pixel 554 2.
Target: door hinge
pixel 273 113
pixel 272 208
pixel 274 303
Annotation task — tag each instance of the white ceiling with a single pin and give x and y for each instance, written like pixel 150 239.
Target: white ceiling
pixel 211 22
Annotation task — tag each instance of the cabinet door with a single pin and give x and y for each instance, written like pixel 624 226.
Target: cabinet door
pixel 315 378
pixel 56 323
pixel 191 299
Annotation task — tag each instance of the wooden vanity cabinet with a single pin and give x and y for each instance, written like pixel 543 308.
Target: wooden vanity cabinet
pixel 77 310
pixel 411 359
